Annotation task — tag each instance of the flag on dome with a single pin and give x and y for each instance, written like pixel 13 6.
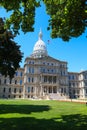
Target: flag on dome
pixel 48 41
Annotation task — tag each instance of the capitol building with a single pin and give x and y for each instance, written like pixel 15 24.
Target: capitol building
pixel 44 77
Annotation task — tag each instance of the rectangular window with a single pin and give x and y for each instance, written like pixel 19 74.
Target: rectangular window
pixel 10 81
pixel 86 90
pixel 32 80
pixel 14 90
pixel 28 89
pixel 5 81
pixel 32 89
pixel 16 73
pixel 54 79
pixel 29 79
pixel 9 90
pixel 32 70
pixel 4 90
pixel 15 81
pixel 45 78
pixel 20 82
pixel 50 79
pixel 29 70
pixel 21 74
pixel 73 77
pixel 20 90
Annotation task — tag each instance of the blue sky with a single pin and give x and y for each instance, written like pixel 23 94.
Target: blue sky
pixel 74 51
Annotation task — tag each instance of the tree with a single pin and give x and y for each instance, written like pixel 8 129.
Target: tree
pixel 10 54
pixel 23 14
pixel 68 18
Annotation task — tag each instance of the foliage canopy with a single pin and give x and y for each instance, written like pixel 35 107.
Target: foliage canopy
pixel 10 54
pixel 68 18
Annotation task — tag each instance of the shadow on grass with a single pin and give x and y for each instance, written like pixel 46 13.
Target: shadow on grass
pixel 68 122
pixel 22 109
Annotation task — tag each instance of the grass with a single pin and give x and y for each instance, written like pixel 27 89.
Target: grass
pixel 42 115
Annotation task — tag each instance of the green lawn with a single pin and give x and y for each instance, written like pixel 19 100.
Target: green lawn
pixel 42 115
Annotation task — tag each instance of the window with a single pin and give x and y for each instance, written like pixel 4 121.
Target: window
pixel 72 76
pixel 5 81
pixel 64 90
pixel 29 70
pixel 16 73
pixel 54 89
pixel 73 84
pixel 50 79
pixel 32 80
pixel 52 71
pixel 54 79
pixel 29 62
pixel 45 89
pixel 69 84
pixel 4 90
pixel 10 81
pixel 8 96
pixel 21 74
pixel 32 62
pixel 32 70
pixel 69 77
pixel 86 90
pixel 74 91
pixel 29 79
pixel 45 78
pixel 19 96
pixel 9 90
pixel 14 90
pixel 50 89
pixel 20 90
pixel 85 76
pixel 32 89
pixel 20 82
pixel 48 70
pixel 15 81
pixel 85 83
pixel 43 70
pixel 28 89
pixel 61 73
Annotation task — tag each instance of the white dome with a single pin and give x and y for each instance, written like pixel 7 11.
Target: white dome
pixel 40 49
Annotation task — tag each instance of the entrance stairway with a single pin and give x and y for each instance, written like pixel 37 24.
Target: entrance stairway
pixel 57 96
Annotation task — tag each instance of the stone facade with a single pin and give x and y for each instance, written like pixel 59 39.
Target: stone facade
pixel 44 77
pixel 78 84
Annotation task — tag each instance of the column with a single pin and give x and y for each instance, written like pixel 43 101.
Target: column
pixel 83 92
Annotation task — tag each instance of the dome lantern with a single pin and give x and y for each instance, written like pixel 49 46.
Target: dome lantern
pixel 39 49
pixel 40 34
